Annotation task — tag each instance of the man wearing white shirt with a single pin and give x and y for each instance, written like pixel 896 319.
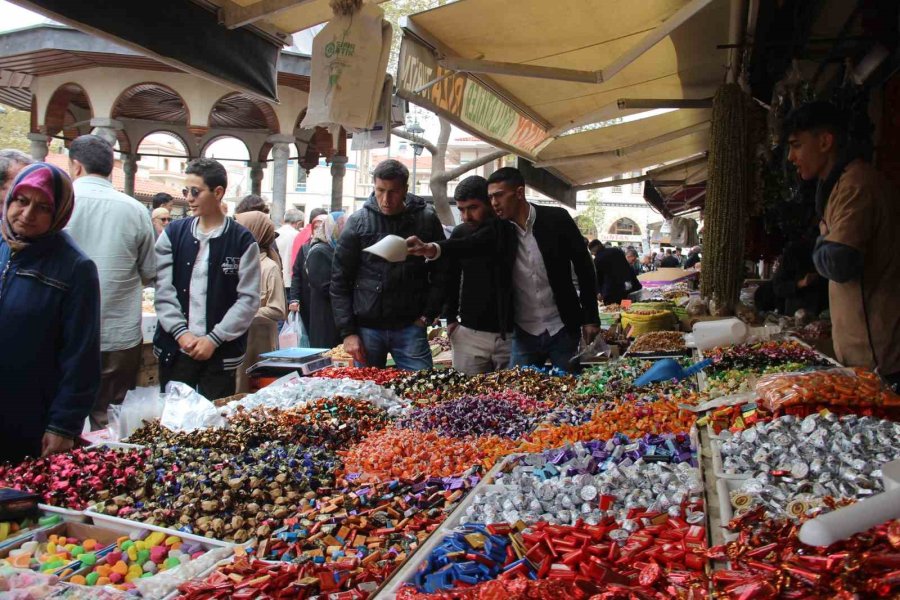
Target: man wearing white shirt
pixel 115 231
pixel 293 223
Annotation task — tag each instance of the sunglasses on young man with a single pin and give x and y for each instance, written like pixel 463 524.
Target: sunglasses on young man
pixel 193 191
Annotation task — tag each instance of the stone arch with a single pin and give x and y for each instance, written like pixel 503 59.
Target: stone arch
pixel 60 114
pixel 240 111
pixel 224 136
pixel 177 136
pixel 624 226
pixel 151 101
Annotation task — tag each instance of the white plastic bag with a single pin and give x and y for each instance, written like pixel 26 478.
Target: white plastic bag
pixel 140 404
pixel 349 59
pixel 293 334
pixel 186 410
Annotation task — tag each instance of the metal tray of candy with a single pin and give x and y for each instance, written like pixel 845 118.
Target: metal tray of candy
pixel 116 446
pixel 127 525
pixel 658 354
pixel 389 588
pixel 719 465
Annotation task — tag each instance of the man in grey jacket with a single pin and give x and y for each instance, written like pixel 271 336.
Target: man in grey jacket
pixel 114 230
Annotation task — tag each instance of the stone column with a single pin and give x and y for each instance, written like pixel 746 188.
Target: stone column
pixel 129 165
pixel 256 178
pixel 281 152
pixel 108 129
pixel 338 170
pixel 39 147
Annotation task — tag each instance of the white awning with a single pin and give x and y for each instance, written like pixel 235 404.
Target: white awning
pixel 521 72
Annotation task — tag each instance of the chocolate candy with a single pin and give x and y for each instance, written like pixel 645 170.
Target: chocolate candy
pixel 79 477
pixel 808 459
pixel 563 486
pixel 763 354
pixel 476 415
pixel 226 496
pixel 407 454
pixel 768 560
pixel 331 423
pixel 596 557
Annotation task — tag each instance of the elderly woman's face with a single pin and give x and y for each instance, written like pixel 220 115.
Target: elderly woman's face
pixel 30 214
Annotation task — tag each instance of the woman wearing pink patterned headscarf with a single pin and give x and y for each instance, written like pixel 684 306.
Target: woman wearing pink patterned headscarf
pixel 49 319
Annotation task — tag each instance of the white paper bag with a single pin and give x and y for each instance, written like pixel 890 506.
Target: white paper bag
pixel 349 60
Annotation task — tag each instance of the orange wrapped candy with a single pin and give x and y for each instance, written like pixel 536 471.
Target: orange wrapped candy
pixel 406 453
pixel 633 420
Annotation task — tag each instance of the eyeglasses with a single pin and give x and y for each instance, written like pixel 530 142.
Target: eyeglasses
pixel 194 192
pixel 164 219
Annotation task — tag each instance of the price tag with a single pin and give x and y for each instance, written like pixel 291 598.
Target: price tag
pixel 625 303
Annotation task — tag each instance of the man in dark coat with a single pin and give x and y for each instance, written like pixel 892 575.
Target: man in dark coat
pixel 615 277
pixel 380 306
pixel 542 246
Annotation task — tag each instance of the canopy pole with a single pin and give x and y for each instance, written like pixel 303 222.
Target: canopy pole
pixel 737 20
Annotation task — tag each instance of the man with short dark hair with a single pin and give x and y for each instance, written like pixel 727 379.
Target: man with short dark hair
pixel 163 200
pixel 540 247
pixel 858 250
pixel 11 162
pixel 207 288
pixel 113 230
pixel 616 278
pixel 594 247
pixel 478 305
pixel 380 306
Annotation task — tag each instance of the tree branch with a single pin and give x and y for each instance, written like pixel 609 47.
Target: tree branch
pixel 473 164
pixel 414 138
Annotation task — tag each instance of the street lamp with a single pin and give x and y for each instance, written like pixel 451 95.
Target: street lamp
pixel 415 129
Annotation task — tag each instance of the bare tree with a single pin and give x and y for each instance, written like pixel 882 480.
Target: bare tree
pixel 440 176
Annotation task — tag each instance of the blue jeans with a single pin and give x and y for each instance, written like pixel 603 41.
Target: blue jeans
pixel 407 345
pixel 534 350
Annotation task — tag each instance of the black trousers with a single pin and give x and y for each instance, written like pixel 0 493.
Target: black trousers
pixel 211 381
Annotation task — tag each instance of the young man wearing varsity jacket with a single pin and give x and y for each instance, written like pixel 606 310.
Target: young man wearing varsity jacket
pixel 207 288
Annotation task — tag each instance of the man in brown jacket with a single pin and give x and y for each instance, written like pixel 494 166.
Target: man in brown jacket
pixel 858 250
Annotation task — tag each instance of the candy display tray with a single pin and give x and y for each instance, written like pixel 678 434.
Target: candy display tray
pixel 127 526
pixel 406 571
pixel 724 487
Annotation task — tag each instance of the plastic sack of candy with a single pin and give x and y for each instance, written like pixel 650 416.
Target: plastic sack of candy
pixel 841 390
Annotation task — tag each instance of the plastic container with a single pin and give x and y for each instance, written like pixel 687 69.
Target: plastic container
pixel 127 526
pixel 724 332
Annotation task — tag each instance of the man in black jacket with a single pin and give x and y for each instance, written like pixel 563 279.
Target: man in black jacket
pixel 615 277
pixel 380 306
pixel 477 308
pixel 539 245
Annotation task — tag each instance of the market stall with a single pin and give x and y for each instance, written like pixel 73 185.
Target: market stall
pixel 362 482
